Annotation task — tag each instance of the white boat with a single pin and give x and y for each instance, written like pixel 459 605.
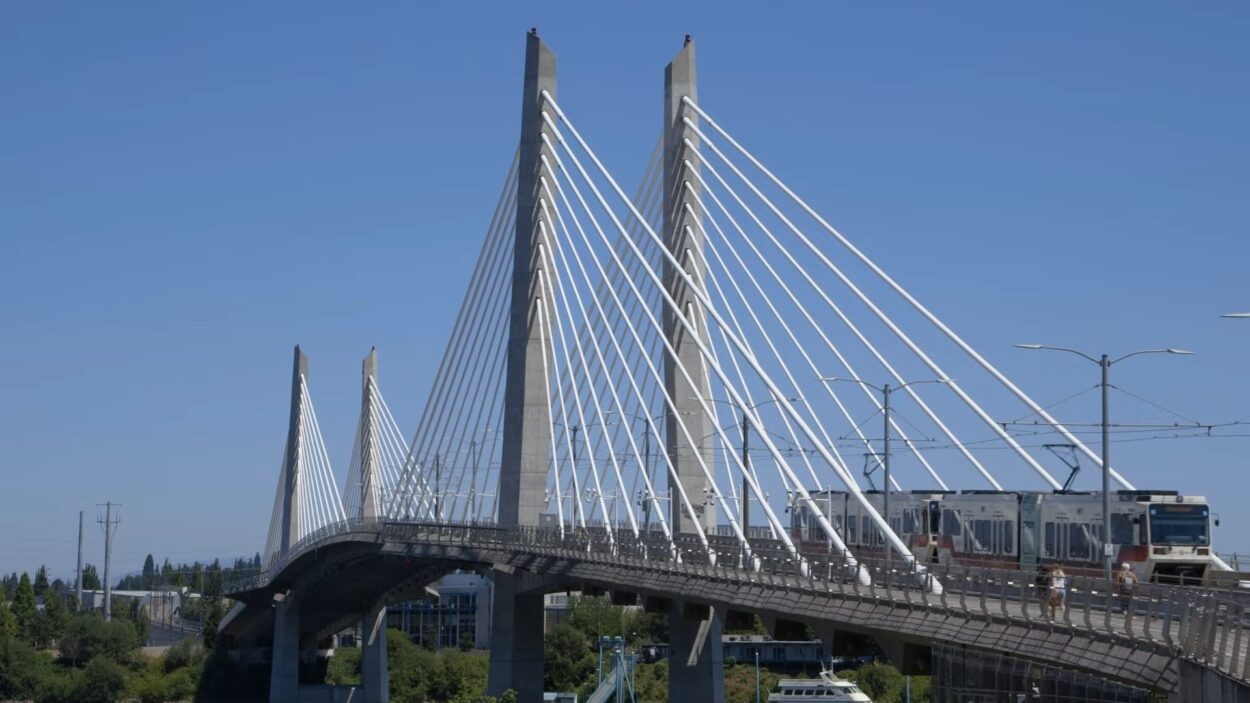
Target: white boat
pixel 828 688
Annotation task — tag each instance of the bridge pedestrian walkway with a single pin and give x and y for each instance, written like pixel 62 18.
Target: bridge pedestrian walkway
pixel 994 609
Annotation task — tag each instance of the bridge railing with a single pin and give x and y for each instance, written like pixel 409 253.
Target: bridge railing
pixel 1207 626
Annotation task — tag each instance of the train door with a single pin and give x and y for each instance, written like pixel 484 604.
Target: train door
pixel 1030 518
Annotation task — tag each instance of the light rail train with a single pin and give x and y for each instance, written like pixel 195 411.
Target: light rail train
pixel 1164 536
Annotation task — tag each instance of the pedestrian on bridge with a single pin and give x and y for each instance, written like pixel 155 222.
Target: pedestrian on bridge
pixel 1058 590
pixel 1125 586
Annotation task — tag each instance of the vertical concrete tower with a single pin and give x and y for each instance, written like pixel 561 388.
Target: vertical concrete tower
pixel 526 424
pixel 370 451
pixel 290 464
pixel 516 654
pixel 684 239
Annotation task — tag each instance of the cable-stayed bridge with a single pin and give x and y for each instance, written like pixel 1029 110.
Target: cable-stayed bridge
pixel 615 356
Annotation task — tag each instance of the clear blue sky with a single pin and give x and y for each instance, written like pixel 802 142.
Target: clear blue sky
pixel 188 190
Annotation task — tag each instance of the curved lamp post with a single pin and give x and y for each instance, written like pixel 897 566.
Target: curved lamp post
pixel 1105 362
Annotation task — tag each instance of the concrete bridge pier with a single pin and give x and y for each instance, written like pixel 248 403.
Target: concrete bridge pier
pixel 516 640
pixel 284 671
pixel 373 668
pixel 696 666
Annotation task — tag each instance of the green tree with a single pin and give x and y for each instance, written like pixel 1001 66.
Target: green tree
pixel 103 681
pixel 87 636
pixel 569 662
pixel 882 682
pixel 410 667
pixel 344 667
pixel 149 573
pixel 24 608
pixel 90 578
pixel 49 624
pixel 41 581
pixel 8 624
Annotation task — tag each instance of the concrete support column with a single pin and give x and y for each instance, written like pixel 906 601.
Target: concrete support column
pixel 373 671
pixel 696 666
pixel 290 460
pixel 516 641
pixel 684 239
pixel 284 670
pixel 370 452
pixel 526 423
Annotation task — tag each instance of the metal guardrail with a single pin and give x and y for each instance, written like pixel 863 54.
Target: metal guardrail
pixel 1207 626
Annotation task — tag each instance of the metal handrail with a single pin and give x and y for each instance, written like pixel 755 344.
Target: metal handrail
pixel 1193 623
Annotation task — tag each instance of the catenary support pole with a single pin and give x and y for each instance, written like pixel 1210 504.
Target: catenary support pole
pixel 1105 363
pixel 78 584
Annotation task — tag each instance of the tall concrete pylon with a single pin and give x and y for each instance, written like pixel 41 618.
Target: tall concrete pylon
pixel 370 451
pixel 527 423
pixel 516 654
pixel 696 669
pixel 684 239
pixel 290 463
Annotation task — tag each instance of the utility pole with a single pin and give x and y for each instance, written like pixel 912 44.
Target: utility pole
pixel 438 486
pixel 1104 364
pixel 78 586
pixel 110 526
pixel 885 467
pixel 646 467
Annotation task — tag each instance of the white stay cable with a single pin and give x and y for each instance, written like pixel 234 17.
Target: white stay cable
pixel 910 390
pixel 587 324
pixel 604 315
pixel 578 513
pixel 336 503
pixel 674 481
pixel 855 426
pixel 885 319
pixel 793 438
pixel 718 495
pixel 902 292
pixel 806 498
pixel 568 362
pixel 555 463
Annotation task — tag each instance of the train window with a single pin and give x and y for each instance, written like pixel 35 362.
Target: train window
pixel 1121 528
pixel 909 522
pixel 1079 541
pixel 982 535
pixel 1009 533
pixel 950 523
pixel 1050 540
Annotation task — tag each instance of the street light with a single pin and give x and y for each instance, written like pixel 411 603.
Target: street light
pixel 1237 315
pixel 1104 362
pixel 746 457
pixel 885 392
pixel 646 458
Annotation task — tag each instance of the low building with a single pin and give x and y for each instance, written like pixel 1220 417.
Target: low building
pixel 456 613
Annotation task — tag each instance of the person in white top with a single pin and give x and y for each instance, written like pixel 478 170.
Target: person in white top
pixel 1058 590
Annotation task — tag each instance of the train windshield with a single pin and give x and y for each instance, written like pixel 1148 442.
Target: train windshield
pixel 1179 524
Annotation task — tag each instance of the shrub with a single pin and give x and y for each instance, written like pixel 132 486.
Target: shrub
pixel 22 670
pixel 185 653
pixel 103 681
pixel 88 636
pixel 344 667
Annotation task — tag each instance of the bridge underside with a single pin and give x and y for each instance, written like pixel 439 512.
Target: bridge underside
pixel 337 583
